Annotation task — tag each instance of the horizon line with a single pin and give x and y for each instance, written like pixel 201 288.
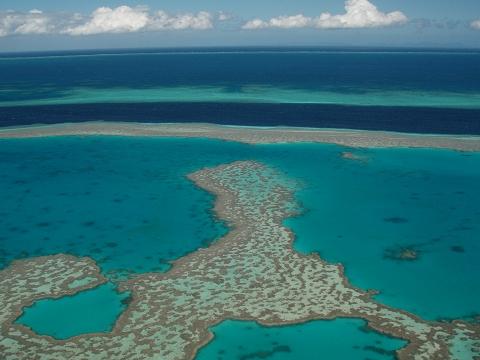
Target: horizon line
pixel 253 48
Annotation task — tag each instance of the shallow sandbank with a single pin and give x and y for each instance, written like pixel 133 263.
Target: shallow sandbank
pixel 250 135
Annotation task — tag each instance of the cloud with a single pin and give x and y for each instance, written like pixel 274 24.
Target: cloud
pixel 162 21
pixel 255 24
pixel 284 22
pixel 32 22
pixel 122 19
pixel 223 16
pixel 358 14
pixel 475 24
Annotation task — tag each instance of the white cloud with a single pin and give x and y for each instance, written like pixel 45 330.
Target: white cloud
pixel 122 19
pixel 284 22
pixel 33 22
pixel 125 19
pixel 223 16
pixel 255 24
pixel 358 14
pixel 107 20
pixel 163 21
pixel 475 24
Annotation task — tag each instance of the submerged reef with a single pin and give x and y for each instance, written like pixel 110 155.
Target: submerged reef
pixel 349 155
pixel 252 135
pixel 402 253
pixel 252 273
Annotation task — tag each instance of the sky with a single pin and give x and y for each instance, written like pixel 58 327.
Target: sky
pixel 29 25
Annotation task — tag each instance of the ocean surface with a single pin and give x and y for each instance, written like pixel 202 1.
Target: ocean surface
pixel 127 203
pixel 407 90
pixel 404 222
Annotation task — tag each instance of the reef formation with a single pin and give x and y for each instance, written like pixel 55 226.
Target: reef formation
pixel 252 135
pixel 252 273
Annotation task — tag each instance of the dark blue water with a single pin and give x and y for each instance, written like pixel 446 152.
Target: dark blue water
pixel 311 69
pixel 402 119
pixel 436 92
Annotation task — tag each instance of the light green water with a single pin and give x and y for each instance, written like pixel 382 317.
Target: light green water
pixel 252 94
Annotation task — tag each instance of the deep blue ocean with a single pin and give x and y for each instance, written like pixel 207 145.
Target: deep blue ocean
pixel 401 90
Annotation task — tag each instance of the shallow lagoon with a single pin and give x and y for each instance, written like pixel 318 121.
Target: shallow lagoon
pixel 366 213
pixel 338 339
pixel 126 203
pixel 89 311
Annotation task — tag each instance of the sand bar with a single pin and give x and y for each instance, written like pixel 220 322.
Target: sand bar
pixel 250 135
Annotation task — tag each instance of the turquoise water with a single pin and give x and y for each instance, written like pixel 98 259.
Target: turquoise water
pixel 360 213
pixel 127 203
pixel 89 311
pixel 338 339
pixel 258 94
